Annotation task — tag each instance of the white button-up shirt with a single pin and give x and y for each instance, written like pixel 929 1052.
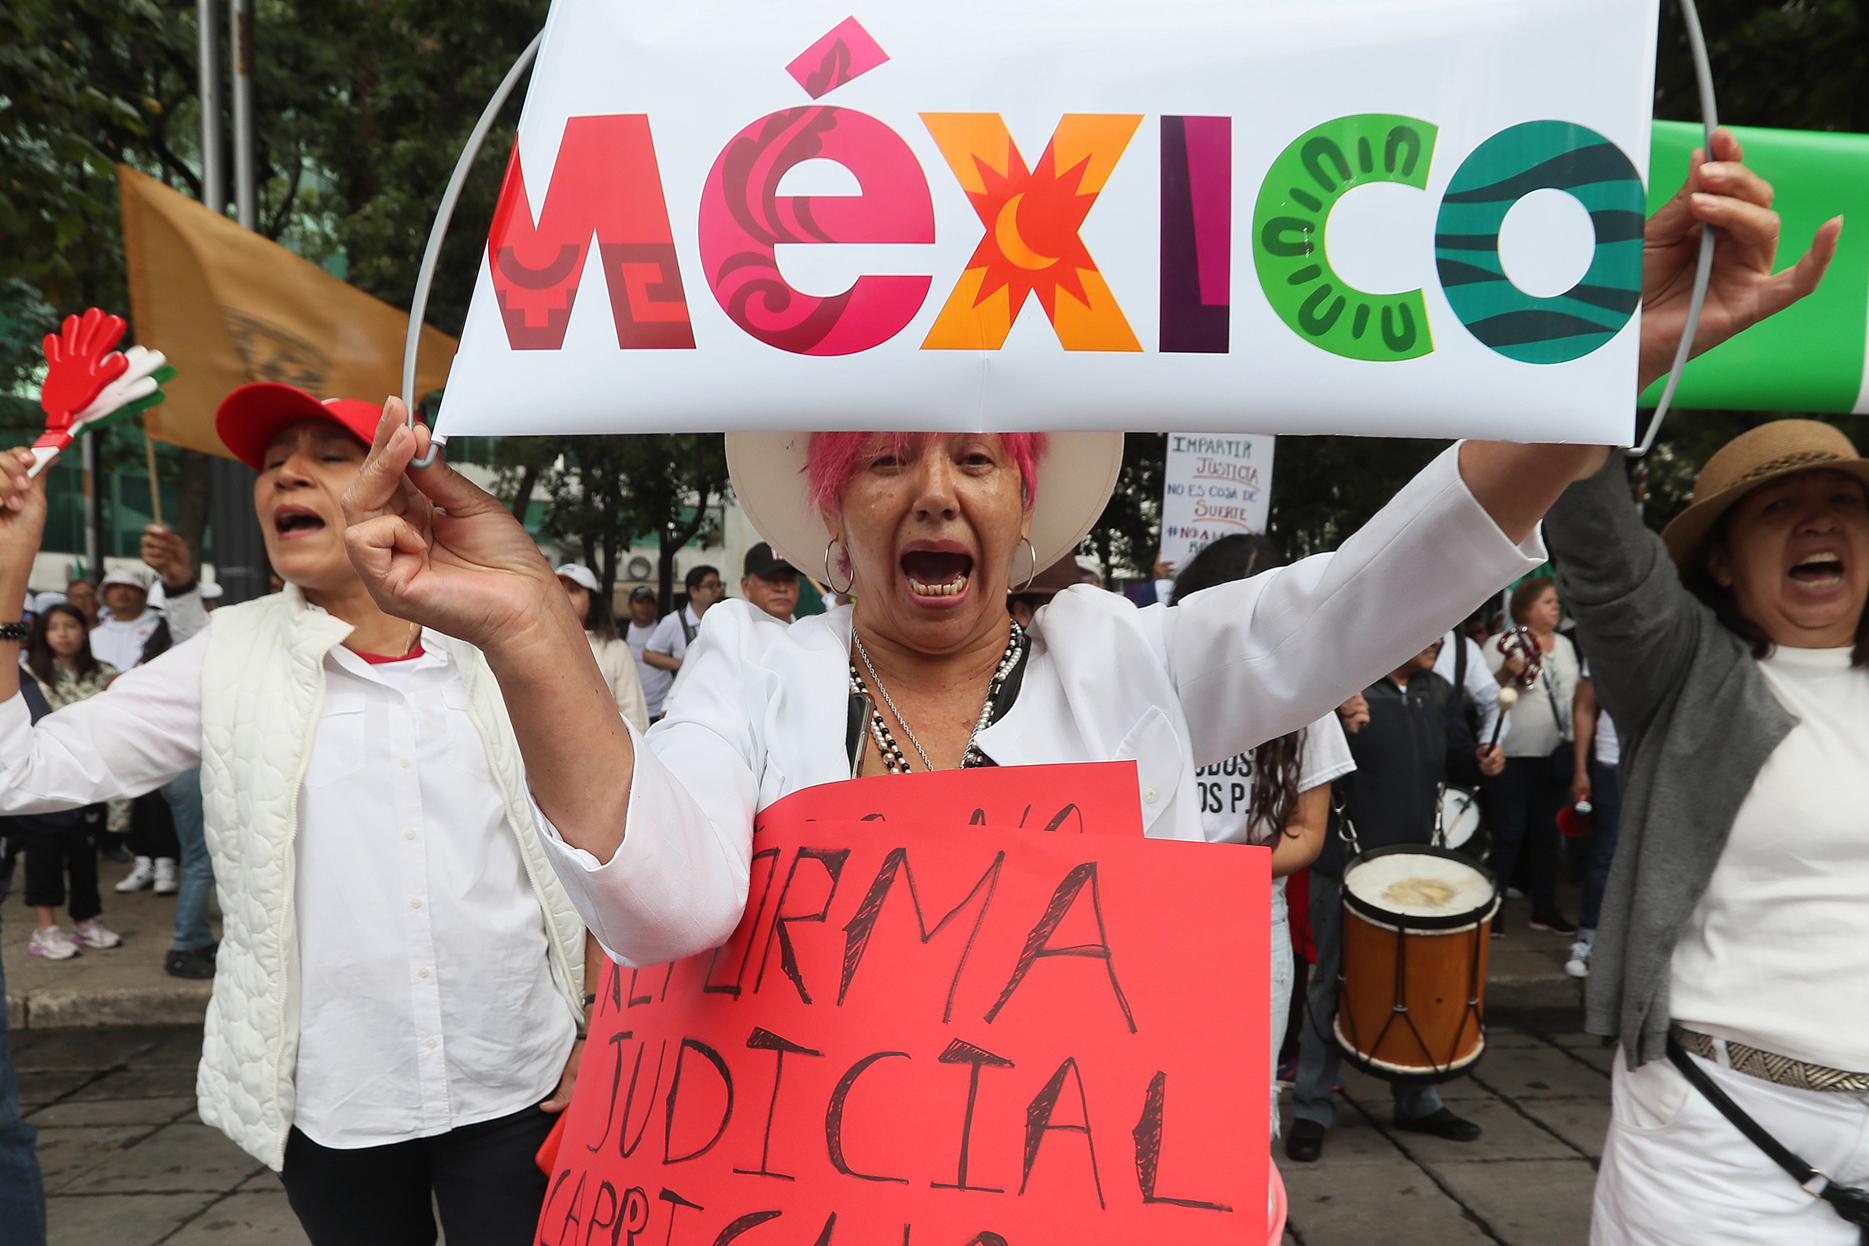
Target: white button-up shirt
pixel 426 1000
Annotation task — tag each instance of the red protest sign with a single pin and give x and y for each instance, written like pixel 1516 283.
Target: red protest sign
pixel 964 1036
pixel 1097 798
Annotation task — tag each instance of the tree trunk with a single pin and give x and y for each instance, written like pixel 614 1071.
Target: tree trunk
pixel 191 511
pixel 522 498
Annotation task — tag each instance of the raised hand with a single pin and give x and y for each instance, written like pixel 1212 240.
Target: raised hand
pixel 434 548
pixel 81 362
pixel 168 555
pixel 1744 290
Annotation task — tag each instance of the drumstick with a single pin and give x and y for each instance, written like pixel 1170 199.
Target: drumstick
pixel 1508 697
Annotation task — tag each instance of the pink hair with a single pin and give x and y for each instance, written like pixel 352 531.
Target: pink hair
pixel 833 459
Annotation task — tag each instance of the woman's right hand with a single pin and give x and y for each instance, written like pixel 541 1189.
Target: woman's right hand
pixel 22 519
pixel 434 548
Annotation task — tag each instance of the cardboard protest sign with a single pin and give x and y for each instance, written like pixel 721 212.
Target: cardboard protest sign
pixel 963 1035
pixel 1346 216
pixel 1213 485
pixel 1097 798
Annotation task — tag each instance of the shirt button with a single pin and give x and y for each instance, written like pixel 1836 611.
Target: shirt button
pixel 432 1044
pixel 1150 795
pixel 415 904
pixel 403 762
pixel 400 698
pixel 421 973
pixel 409 834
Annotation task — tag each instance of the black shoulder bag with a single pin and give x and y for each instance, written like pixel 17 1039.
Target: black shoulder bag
pixel 1850 1202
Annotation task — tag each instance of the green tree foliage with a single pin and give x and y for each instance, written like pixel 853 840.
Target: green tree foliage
pixel 601 495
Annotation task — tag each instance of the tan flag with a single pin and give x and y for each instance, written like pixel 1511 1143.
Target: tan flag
pixel 228 306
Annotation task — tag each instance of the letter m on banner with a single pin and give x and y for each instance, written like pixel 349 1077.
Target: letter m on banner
pixel 605 184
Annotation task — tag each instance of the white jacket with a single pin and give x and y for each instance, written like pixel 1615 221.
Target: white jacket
pixel 763 710
pixel 262 692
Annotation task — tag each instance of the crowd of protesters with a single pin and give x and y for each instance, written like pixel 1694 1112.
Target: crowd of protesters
pixel 423 864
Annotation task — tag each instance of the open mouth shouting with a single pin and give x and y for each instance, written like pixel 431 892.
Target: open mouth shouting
pixel 937 575
pixel 1819 572
pixel 292 520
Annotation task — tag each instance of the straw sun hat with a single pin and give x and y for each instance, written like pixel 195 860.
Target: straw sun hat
pixel 1077 474
pixel 1748 461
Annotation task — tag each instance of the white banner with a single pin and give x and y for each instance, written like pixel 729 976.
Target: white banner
pixel 1213 485
pixel 1344 216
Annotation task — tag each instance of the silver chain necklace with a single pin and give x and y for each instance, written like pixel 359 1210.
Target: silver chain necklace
pixel 892 753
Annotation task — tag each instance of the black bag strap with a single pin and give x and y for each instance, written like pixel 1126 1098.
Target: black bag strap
pixel 1850 1203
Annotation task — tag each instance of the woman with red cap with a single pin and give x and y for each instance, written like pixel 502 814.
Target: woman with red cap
pixel 400 980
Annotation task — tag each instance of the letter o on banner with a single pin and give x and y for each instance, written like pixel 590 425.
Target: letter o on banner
pixel 1541 155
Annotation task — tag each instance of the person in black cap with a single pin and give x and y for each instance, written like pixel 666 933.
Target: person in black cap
pixel 769 582
pixel 642 621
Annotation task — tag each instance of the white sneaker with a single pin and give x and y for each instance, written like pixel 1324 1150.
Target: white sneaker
pixel 142 876
pixel 52 943
pixel 1578 966
pixel 165 877
pixel 94 933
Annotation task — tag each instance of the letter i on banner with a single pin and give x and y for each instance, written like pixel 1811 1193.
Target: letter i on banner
pixel 605 182
pixel 1197 234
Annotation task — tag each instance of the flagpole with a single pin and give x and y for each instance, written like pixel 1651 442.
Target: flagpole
pixel 241 15
pixel 213 188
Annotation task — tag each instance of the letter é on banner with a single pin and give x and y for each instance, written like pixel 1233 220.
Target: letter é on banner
pixel 604 182
pixel 1032 218
pixel 1197 234
pixel 744 218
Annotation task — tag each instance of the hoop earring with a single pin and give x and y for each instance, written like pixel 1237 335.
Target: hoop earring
pixel 831 580
pixel 1034 575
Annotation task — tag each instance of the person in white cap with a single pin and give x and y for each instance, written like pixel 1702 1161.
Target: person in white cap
pixel 613 655
pixel 127 619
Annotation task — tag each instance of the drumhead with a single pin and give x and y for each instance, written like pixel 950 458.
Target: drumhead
pixel 1419 887
pixel 1460 816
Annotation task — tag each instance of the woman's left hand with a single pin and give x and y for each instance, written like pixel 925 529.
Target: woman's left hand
pixel 1744 290
pixel 568 1083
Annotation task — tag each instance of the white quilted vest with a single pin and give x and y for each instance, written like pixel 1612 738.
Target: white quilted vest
pixel 262 691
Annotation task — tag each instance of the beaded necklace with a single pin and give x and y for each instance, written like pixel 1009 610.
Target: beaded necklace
pixel 893 757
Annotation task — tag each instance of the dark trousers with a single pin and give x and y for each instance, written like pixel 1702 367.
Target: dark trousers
pixel 482 1178
pixel 22 1193
pixel 152 828
pixel 1606 800
pixel 1526 797
pixel 50 857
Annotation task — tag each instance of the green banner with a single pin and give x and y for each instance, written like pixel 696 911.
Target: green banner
pixel 1810 357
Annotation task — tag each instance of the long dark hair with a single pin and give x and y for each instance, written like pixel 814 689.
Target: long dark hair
pixel 40 659
pixel 1725 605
pixel 1275 764
pixel 598 619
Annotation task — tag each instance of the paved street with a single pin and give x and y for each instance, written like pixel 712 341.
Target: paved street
pixel 128 1163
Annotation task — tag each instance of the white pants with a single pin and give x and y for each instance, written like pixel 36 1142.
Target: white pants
pixel 1283 970
pixel 1677 1173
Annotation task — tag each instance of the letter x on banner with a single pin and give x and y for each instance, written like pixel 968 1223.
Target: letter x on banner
pixel 1015 1025
pixel 1342 216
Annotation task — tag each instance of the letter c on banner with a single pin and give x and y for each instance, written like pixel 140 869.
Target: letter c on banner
pixel 743 218
pixel 1541 155
pixel 1319 167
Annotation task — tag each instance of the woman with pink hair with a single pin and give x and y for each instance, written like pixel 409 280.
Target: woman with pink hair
pixel 652 834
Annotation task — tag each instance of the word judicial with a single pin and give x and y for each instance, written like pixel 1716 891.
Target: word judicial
pixel 967 1040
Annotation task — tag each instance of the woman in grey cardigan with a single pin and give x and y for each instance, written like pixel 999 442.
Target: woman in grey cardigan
pixel 1732 653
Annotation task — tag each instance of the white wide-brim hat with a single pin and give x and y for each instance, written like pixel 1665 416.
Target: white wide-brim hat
pixel 1076 475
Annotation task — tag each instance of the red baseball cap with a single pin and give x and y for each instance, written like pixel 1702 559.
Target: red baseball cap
pixel 249 418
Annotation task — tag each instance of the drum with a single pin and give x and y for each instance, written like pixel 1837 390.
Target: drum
pixel 1417 924
pixel 1461 826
